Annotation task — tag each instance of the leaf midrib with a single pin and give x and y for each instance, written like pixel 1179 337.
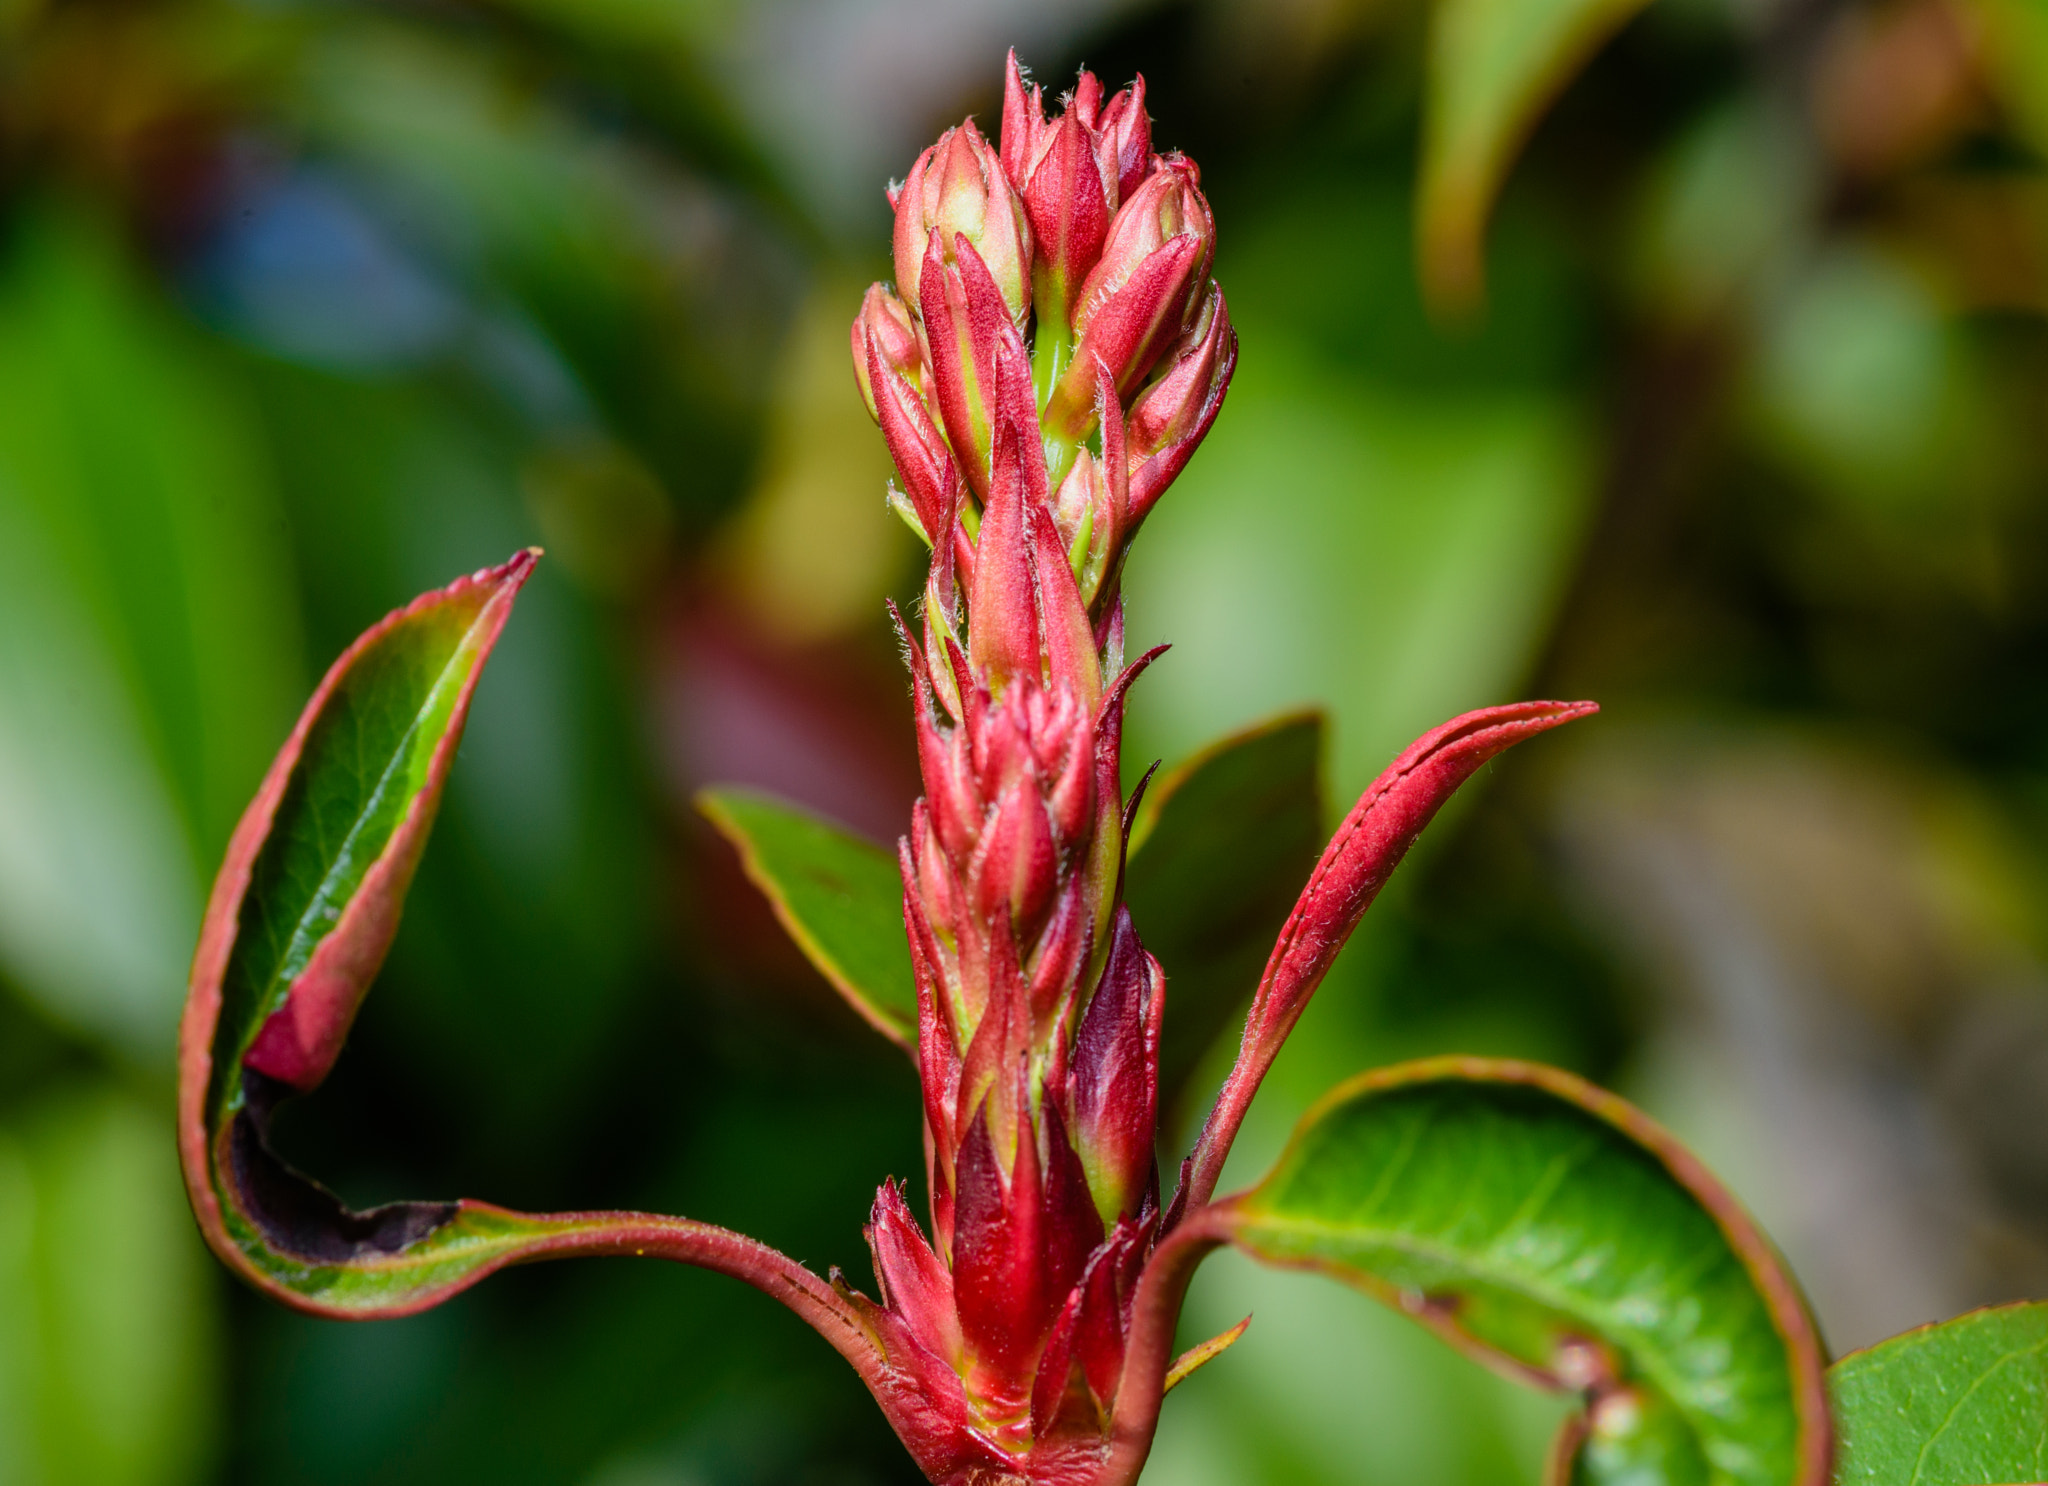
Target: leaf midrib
pixel 270 1002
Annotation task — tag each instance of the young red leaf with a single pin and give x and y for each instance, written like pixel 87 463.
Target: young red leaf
pixel 1354 867
pixel 1218 851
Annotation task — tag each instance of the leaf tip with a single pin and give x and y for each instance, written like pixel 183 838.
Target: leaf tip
pixel 1203 1352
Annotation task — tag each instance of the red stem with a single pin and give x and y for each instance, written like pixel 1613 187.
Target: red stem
pixel 708 1246
pixel 1148 1350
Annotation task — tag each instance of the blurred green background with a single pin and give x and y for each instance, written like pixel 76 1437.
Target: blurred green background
pixel 309 305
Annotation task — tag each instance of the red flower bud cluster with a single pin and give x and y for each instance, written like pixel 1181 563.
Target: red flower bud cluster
pixel 1053 352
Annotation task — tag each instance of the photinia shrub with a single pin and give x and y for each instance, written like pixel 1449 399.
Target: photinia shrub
pixel 1051 356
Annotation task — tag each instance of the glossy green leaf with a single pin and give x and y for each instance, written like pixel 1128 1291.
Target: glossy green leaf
pixel 1219 852
pixel 839 896
pixel 1554 1232
pixel 1962 1401
pixel 302 914
pixel 1494 66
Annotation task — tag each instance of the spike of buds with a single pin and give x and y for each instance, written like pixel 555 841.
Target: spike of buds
pixel 1038 1008
pixel 1028 464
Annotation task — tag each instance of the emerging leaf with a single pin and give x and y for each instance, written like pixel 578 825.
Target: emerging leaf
pixel 1557 1234
pixel 839 896
pixel 1361 856
pixel 1218 852
pixel 1966 1400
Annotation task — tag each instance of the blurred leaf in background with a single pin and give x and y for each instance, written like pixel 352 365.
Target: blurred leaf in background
pixel 110 1375
pixel 152 653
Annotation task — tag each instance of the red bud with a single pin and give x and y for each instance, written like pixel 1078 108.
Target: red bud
pixel 1172 416
pixel 883 327
pixel 889 363
pixel 1135 301
pixel 1168 204
pixel 1069 201
pixel 968 333
pixel 958 189
pixel 1116 1075
pixel 1126 131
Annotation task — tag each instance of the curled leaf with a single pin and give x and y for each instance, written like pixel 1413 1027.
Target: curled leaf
pixel 301 917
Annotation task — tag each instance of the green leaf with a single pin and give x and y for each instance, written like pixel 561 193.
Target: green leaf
pixel 839 896
pixel 302 914
pixel 1219 852
pixel 1962 1401
pixel 1554 1232
pixel 1494 66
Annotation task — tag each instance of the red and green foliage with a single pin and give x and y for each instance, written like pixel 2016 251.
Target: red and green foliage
pixel 1052 355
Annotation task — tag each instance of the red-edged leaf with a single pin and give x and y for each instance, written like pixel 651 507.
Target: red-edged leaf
pixel 302 913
